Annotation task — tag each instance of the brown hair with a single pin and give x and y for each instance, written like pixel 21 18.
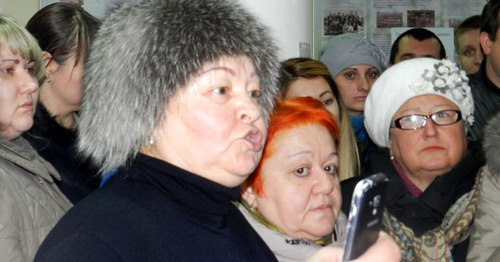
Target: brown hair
pixel 295 68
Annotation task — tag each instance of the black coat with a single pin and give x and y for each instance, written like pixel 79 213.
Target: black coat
pixel 486 101
pixel 154 211
pixel 426 212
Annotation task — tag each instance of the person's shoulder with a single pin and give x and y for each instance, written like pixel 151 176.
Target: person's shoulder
pixel 101 222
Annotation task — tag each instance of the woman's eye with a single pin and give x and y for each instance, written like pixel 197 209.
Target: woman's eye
pixel 443 114
pixel 7 71
pixel 327 101
pixel 220 90
pixel 29 70
pixel 331 170
pixel 255 94
pixel 303 171
pixel 372 74
pixel 349 75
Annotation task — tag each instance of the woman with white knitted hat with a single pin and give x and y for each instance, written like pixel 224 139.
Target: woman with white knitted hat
pixel 418 112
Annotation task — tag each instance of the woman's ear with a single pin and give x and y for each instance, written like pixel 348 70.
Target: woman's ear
pixel 250 197
pixel 50 65
pixel 391 154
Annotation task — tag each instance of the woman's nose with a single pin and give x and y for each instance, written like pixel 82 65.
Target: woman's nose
pixel 28 83
pixel 363 85
pixel 324 182
pixel 430 129
pixel 248 111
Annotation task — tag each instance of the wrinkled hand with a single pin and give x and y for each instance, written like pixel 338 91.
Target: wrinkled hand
pixel 384 250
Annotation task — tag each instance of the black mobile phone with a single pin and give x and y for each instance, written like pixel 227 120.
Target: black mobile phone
pixel 365 215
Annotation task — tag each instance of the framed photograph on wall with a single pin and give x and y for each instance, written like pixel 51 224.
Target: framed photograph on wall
pixel 334 17
pixel 98 8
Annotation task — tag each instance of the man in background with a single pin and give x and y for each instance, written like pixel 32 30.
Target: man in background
pixel 469 54
pixel 485 84
pixel 416 42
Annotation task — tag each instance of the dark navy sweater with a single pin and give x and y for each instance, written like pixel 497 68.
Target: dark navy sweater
pixel 154 211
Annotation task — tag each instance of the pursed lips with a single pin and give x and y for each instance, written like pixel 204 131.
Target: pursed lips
pixel 255 137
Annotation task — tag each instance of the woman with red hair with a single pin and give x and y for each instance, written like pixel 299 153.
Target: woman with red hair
pixel 293 197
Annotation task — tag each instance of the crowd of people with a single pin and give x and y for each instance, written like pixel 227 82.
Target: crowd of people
pixel 212 149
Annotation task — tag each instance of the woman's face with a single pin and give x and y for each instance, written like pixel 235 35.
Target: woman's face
pixel 18 94
pixel 301 191
pixel 354 84
pixel 66 83
pixel 316 88
pixel 213 126
pixel 429 151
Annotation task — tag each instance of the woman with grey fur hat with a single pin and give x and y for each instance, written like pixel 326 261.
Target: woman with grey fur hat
pixel 354 63
pixel 485 240
pixel 177 94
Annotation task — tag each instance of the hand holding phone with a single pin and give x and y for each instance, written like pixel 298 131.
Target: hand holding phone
pixel 365 215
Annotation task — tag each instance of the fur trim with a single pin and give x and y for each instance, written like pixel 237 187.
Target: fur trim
pixel 145 52
pixel 491 144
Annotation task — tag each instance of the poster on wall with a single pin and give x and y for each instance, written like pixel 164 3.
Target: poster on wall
pixel 98 8
pixel 375 18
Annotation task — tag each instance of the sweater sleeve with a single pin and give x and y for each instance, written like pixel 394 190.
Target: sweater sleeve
pixel 78 247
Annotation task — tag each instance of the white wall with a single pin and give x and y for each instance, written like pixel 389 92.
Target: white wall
pixel 289 20
pixel 19 10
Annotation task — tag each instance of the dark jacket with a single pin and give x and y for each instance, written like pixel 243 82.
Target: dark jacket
pixel 154 211
pixel 426 212
pixel 486 97
pixel 56 144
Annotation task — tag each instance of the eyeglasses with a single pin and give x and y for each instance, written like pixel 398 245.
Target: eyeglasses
pixel 441 118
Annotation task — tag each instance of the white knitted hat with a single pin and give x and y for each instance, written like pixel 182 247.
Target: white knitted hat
pixel 408 79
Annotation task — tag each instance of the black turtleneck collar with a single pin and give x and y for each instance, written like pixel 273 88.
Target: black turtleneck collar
pixel 188 189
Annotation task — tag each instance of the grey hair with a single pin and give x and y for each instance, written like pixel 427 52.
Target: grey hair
pixel 145 52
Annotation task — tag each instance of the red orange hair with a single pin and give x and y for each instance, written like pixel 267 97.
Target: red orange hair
pixel 288 115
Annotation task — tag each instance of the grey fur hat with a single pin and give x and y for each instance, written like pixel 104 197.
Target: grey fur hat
pixel 149 49
pixel 491 145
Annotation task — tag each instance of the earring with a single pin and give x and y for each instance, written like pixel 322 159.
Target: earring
pixel 254 208
pixel 151 140
pixel 391 155
pixel 48 79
